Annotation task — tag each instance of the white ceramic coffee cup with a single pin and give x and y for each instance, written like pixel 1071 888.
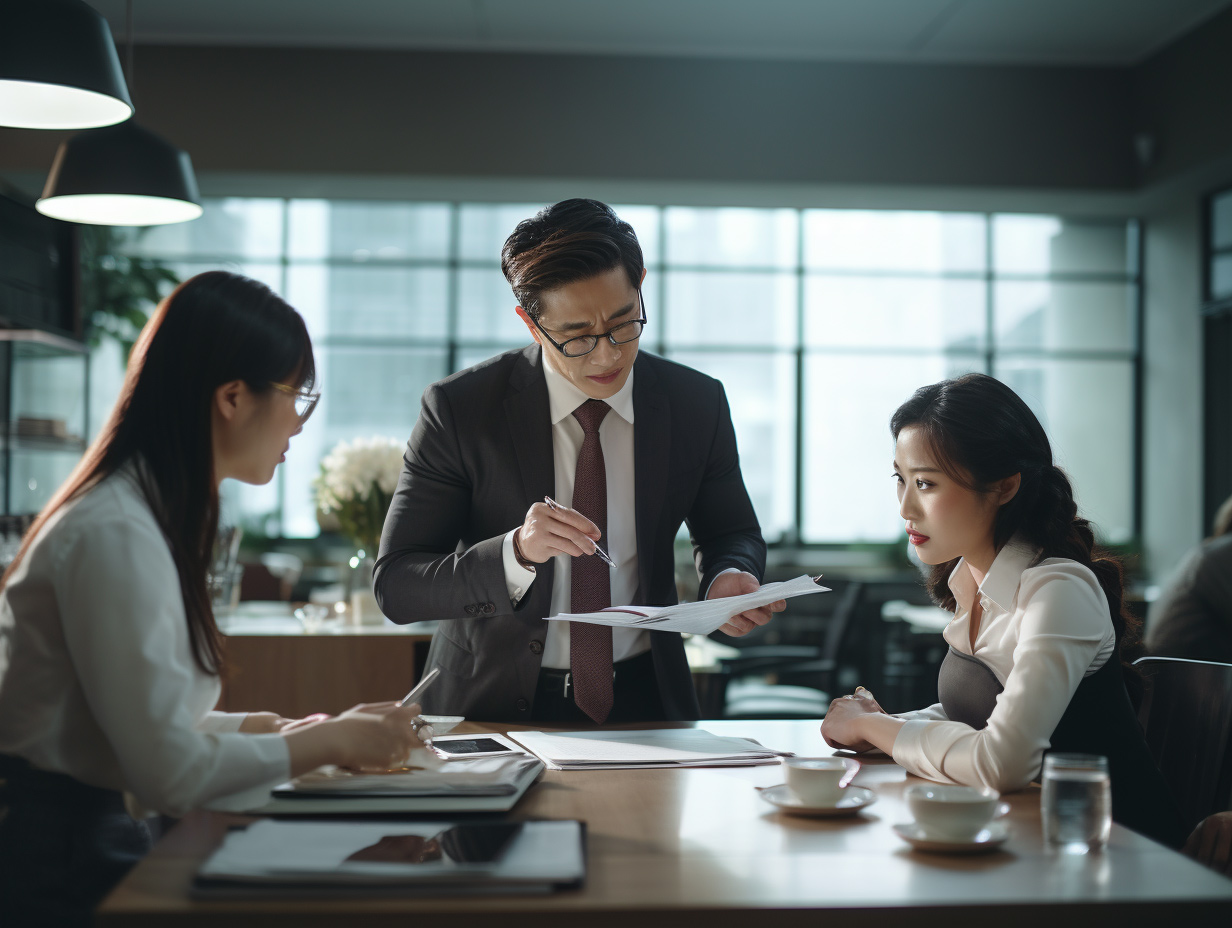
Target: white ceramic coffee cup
pixel 818 781
pixel 956 813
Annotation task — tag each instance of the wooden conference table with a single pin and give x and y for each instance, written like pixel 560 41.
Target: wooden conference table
pixel 673 845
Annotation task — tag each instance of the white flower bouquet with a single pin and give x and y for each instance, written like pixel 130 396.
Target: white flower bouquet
pixel 356 483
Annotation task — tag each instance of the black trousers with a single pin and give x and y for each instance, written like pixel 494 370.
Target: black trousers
pixel 635 692
pixel 63 846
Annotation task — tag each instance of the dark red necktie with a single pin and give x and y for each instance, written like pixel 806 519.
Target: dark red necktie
pixel 590 588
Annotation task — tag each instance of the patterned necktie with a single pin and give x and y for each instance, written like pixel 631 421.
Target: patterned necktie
pixel 590 588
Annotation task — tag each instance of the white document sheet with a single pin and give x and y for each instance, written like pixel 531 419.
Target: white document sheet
pixel 694 618
pixel 620 750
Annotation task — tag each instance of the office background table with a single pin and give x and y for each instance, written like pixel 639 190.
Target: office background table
pixel 669 847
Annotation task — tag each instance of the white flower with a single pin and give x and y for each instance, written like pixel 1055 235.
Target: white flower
pixel 352 467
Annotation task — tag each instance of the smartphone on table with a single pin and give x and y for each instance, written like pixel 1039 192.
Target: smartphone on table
pixel 464 747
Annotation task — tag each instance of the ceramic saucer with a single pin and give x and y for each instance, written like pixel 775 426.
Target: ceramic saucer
pixel 988 839
pixel 853 800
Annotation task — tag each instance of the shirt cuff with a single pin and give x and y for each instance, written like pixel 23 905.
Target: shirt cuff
pixel 908 748
pixel 517 578
pixel 731 570
pixel 222 722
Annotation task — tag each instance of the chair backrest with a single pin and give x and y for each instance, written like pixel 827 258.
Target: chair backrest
pixel 1186 713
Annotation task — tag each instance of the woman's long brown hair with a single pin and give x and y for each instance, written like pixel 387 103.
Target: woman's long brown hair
pixel 213 329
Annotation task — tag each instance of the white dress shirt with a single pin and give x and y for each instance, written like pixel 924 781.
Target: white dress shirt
pixel 1045 627
pixel 620 540
pixel 97 678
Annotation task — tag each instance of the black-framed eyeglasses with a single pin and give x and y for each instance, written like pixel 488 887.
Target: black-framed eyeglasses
pixel 305 401
pixel 581 345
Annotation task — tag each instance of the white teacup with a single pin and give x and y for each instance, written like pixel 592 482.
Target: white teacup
pixel 956 813
pixel 819 781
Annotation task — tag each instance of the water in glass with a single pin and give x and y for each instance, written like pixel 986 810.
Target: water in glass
pixel 1076 802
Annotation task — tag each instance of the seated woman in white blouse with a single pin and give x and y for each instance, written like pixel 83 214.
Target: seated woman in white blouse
pixel 1039 631
pixel 110 658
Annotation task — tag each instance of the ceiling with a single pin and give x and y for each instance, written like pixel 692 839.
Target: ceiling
pixel 1035 32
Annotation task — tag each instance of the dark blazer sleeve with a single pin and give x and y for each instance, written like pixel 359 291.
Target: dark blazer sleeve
pixel 422 571
pixel 722 524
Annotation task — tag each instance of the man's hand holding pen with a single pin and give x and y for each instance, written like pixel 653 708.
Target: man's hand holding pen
pixel 551 529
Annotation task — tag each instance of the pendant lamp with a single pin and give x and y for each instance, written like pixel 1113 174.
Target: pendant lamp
pixel 58 67
pixel 120 176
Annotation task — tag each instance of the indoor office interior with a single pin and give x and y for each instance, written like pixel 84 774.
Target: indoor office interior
pixel 827 225
pixel 836 204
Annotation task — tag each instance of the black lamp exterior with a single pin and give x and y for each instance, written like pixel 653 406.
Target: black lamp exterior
pixel 122 159
pixel 63 42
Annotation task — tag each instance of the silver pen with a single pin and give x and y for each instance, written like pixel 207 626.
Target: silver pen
pixel 599 552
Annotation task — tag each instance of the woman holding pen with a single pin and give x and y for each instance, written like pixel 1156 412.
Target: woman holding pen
pixel 110 658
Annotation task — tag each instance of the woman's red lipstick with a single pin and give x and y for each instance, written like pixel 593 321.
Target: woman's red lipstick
pixel 916 538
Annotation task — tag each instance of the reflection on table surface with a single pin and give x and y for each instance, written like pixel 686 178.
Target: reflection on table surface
pixel 670 844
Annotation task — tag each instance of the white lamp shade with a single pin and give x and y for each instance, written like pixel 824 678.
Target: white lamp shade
pixel 58 67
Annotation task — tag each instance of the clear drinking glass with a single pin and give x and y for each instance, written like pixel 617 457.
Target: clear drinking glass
pixel 1077 802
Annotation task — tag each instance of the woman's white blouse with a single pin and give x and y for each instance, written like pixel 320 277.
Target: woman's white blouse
pixel 1045 627
pixel 97 678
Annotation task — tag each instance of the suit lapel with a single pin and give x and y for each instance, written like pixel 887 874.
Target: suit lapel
pixel 530 431
pixel 652 443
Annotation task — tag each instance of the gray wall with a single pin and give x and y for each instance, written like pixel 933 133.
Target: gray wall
pixel 426 113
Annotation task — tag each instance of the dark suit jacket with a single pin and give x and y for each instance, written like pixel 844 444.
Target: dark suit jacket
pixel 481 454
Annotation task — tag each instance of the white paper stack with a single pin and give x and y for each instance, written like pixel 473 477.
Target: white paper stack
pixel 314 858
pixel 624 750
pixel 694 618
pixel 483 776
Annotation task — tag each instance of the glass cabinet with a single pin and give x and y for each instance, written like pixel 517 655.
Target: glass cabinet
pixel 44 400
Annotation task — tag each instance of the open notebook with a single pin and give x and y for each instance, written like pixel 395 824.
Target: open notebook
pixel 622 750
pixel 694 618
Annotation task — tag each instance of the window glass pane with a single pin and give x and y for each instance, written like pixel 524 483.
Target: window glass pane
pixel 241 228
pixel 761 392
pixel 890 312
pixel 883 240
pixel 1048 244
pixel 486 309
pixel 718 308
pixel 1221 220
pixel 470 356
pixel 268 273
pixel 1221 277
pixel 1063 316
pixel 645 222
pixel 732 237
pixel 849 493
pixel 380 302
pixel 483 228
pixel 364 231
pixel 1087 409
pixel 366 392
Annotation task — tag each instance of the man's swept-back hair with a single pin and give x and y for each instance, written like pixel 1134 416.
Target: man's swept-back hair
pixel 570 241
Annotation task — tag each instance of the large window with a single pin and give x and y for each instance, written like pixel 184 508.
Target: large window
pixel 818 322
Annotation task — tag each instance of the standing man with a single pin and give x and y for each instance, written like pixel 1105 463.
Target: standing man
pixel 626 445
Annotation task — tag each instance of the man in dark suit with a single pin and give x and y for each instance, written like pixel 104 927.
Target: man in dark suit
pixel 524 472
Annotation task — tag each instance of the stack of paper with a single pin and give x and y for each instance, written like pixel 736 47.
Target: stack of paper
pixel 694 618
pixel 622 750
pixel 482 784
pixel 311 858
pixel 483 776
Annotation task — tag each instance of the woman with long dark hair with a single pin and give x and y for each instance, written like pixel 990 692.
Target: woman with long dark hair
pixel 1040 640
pixel 110 658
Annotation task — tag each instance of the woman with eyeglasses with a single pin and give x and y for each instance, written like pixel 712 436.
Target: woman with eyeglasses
pixel 110 658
